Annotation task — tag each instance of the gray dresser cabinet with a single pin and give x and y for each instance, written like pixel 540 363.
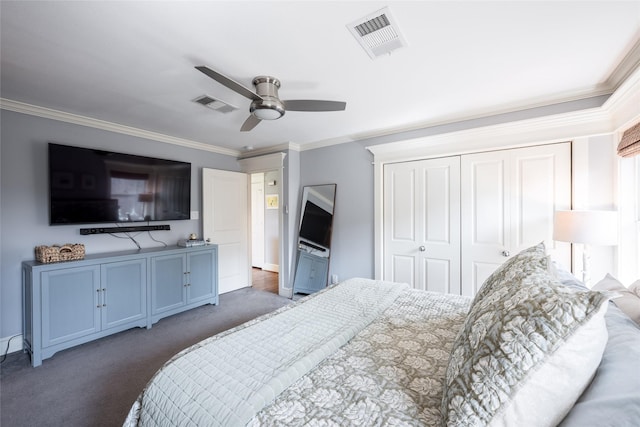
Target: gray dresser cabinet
pixel 181 280
pixel 73 302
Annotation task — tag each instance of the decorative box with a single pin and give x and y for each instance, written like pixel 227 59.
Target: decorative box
pixel 56 253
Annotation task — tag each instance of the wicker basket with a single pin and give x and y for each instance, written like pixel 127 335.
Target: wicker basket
pixel 56 253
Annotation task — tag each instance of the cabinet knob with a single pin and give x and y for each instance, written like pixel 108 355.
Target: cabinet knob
pixel 104 305
pixel 505 253
pixel 422 248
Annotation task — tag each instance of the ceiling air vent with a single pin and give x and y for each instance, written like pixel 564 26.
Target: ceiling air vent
pixel 377 33
pixel 215 104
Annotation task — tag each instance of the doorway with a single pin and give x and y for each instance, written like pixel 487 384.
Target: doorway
pixel 265 230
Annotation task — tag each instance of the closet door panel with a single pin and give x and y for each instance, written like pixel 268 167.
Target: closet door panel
pixel 441 214
pixel 402 193
pixel 400 229
pixel 437 205
pixel 402 269
pixel 542 185
pixel 485 216
pixel 438 274
pixel 422 224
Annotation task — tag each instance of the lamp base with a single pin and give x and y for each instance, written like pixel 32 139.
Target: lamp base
pixel 586 257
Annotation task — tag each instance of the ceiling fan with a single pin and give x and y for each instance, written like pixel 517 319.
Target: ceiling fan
pixel 265 103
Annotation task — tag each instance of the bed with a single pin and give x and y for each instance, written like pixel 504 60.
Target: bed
pixel 531 348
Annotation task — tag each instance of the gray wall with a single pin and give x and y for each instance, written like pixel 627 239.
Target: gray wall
pixel 350 167
pixel 24 221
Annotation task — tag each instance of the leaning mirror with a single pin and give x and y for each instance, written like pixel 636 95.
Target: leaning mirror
pixel 314 238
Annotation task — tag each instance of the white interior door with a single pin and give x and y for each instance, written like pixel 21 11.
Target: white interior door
pixel 225 222
pixel 422 224
pixel 508 200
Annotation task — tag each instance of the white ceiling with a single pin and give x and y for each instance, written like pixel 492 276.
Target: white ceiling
pixel 132 63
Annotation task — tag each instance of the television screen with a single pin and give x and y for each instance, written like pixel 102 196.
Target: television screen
pixel 316 224
pixel 95 186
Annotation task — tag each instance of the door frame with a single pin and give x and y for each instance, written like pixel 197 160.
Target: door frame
pixel 257 207
pixel 268 163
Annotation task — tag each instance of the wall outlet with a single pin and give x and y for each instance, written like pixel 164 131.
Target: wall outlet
pixel 334 279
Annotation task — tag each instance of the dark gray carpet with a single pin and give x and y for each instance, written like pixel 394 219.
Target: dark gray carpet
pixel 96 383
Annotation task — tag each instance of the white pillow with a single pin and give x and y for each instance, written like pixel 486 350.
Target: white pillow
pixel 527 349
pixel 627 300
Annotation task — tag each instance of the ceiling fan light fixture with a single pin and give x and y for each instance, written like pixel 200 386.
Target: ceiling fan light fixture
pixel 267 110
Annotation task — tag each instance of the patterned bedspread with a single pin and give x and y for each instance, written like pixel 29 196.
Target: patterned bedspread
pixel 360 353
pixel 391 373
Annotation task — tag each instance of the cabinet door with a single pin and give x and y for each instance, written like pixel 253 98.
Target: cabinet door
pixel 168 276
pixel 201 278
pixel 70 300
pixel 124 292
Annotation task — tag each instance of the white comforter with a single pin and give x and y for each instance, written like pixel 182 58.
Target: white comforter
pixel 227 379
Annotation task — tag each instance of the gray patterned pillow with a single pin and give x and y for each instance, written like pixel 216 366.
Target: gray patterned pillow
pixel 528 348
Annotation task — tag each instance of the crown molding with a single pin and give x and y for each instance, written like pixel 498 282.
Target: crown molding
pixel 622 108
pixel 288 146
pixel 624 104
pixel 629 64
pixel 542 130
pixel 48 113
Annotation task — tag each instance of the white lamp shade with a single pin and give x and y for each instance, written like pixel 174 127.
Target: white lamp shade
pixel 590 227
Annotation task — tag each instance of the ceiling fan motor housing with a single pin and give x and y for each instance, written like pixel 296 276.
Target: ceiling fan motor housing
pixel 269 107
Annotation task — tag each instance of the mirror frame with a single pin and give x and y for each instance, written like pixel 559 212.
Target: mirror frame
pixel 319 198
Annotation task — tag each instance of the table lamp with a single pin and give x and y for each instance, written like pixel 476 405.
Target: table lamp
pixel 588 228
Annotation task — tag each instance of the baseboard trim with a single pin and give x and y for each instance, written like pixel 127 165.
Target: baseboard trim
pixel 15 344
pixel 275 268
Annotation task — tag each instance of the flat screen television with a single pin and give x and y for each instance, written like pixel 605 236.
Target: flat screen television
pixel 316 225
pixel 89 186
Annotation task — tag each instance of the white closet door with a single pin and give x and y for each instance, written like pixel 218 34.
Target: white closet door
pixel 508 200
pixel 422 224
pixel 485 216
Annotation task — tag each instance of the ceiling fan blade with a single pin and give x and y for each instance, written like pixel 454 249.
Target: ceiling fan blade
pixel 231 84
pixel 251 122
pixel 313 105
